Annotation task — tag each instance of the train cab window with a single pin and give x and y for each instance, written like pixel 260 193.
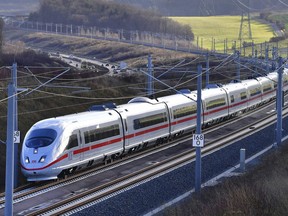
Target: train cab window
pixel 73 141
pixel 40 138
pixel 232 98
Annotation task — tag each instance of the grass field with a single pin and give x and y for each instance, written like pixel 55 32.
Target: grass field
pixel 220 28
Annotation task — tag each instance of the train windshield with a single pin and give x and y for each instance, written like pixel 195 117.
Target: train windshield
pixel 40 138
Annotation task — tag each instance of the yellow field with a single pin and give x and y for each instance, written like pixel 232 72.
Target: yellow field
pixel 220 28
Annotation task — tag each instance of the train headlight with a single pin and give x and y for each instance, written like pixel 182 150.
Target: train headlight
pixel 42 159
pixel 27 160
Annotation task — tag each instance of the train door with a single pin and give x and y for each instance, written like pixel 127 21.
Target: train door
pixel 75 147
pixel 125 132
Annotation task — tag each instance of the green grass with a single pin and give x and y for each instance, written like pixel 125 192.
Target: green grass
pixel 220 28
pixel 262 190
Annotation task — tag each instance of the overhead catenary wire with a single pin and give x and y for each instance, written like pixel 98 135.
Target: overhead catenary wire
pixel 178 84
pixel 264 8
pixel 283 3
pixel 48 81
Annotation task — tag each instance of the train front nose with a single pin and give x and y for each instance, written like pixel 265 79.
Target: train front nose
pixel 36 168
pixel 37 154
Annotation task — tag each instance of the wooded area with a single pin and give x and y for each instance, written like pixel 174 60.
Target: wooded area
pixel 105 14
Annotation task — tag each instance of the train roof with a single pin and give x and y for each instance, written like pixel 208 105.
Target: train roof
pixel 178 98
pixel 83 118
pixel 234 87
pixel 250 82
pixel 138 105
pixel 211 92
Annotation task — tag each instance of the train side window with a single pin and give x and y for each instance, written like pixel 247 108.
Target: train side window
pixel 101 133
pixel 243 95
pixel 73 141
pixel 215 103
pixel 255 91
pixel 185 111
pixel 232 98
pixel 86 137
pixel 267 87
pixel 149 120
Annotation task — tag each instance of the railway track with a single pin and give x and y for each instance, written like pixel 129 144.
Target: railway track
pixel 125 181
pixel 112 188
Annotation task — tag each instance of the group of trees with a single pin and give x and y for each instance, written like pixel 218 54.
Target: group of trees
pixel 105 14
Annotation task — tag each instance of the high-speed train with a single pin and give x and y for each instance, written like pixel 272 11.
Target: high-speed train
pixel 62 145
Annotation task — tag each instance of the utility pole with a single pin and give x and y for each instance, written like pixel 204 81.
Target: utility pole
pixel 198 138
pixel 14 80
pixel 267 58
pixel 238 76
pixel 207 69
pixel 9 182
pixel 150 86
pixel 279 103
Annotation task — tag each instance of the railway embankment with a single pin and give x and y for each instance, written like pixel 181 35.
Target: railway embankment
pixel 251 193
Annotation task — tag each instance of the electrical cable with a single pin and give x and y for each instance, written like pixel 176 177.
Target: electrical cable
pixel 283 3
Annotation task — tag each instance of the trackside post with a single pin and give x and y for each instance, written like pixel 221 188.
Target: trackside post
pixel 279 103
pixel 198 132
pixel 9 182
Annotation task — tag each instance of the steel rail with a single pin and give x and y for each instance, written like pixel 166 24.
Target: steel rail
pixel 32 190
pixel 135 178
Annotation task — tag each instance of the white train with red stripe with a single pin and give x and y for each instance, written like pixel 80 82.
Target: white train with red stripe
pixel 65 144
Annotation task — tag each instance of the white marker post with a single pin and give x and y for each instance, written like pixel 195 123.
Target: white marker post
pixel 198 140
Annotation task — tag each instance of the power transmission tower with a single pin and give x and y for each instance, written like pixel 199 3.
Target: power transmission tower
pixel 245 26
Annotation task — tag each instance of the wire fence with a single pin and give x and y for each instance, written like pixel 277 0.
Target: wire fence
pixel 160 40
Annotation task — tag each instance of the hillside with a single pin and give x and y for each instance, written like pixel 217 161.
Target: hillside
pixel 106 14
pixel 168 7
pixel 206 7
pixel 51 102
